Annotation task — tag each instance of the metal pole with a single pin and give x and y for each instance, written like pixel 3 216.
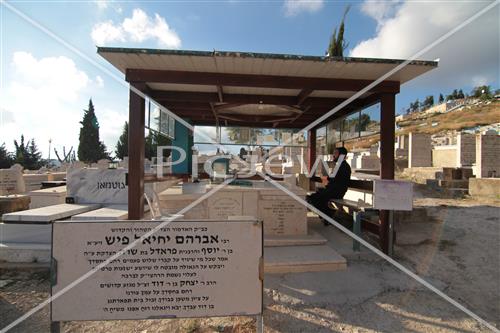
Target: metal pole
pixel 356 228
pixel 391 233
pixel 55 327
pixel 260 323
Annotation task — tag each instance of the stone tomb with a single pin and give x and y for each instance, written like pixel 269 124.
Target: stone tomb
pixel 103 186
pixel 13 203
pixel 420 150
pixel 34 180
pixel 11 180
pixel 281 214
pixel 487 155
pixel 466 149
pixel 48 197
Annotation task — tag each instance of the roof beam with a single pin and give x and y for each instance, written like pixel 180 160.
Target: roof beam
pixel 252 80
pixel 182 96
pixel 303 95
pixel 220 93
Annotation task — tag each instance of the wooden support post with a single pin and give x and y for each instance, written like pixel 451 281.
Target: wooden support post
pixel 136 154
pixel 356 229
pixel 387 137
pixel 311 148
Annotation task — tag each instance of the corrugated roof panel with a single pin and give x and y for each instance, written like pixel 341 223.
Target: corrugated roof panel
pixel 262 64
pixel 261 91
pixel 334 94
pixel 182 87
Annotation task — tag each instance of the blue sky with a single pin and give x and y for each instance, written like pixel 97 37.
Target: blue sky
pixel 45 86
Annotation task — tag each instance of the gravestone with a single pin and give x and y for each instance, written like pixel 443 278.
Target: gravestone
pixel 13 203
pixel 123 163
pixel 487 155
pixel 48 197
pixel 281 214
pixel 12 181
pixel 420 150
pixel 88 186
pixel 184 269
pixel 103 164
pixel 466 149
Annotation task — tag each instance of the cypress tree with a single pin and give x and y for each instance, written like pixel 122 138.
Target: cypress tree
pixel 90 148
pixel 6 160
pixel 338 44
pixel 441 98
pixel 122 144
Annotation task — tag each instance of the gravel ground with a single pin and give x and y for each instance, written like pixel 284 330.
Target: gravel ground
pixel 457 250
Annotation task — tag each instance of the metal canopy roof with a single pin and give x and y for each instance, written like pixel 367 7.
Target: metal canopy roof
pixel 257 89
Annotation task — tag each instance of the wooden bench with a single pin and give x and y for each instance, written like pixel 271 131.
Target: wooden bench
pixel 362 212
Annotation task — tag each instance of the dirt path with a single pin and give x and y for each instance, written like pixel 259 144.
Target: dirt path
pixel 457 250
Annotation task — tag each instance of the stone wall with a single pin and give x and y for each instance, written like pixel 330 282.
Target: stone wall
pixel 420 150
pixel 444 156
pixel 487 155
pixel 466 150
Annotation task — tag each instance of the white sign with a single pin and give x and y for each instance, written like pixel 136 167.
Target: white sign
pixel 185 269
pixel 101 186
pixel 392 195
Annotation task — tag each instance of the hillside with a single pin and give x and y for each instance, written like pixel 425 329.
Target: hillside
pixel 467 117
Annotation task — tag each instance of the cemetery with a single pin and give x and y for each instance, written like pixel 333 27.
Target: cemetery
pixel 177 237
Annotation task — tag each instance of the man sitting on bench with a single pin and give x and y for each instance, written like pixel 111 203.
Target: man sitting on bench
pixel 336 187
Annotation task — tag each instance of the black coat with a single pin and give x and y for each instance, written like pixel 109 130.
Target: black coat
pixel 337 186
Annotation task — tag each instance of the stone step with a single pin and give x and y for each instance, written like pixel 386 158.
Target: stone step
pixel 313 238
pixel 25 253
pixel 48 214
pixel 26 233
pixel 299 259
pixel 112 212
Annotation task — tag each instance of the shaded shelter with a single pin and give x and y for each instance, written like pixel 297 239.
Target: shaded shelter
pixel 256 90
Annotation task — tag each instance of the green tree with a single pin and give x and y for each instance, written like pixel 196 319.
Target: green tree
pixel 27 154
pixel 90 148
pixel 338 44
pixel 414 107
pixel 6 159
pixel 483 92
pixel 460 94
pixel 428 102
pixel 122 144
pixel 33 159
pixel 152 141
pixel 441 98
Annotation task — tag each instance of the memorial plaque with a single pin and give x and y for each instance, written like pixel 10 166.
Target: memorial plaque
pixel 392 195
pixel 224 204
pixel 185 269
pixel 282 215
pixel 12 181
pixel 98 186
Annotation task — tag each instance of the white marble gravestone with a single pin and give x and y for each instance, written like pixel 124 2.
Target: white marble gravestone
pixel 12 181
pixel 101 186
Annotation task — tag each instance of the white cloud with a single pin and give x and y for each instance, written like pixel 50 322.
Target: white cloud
pixel 409 27
pixel 138 28
pixel 47 76
pixel 295 7
pixel 105 32
pixel 102 4
pixel 45 100
pixel 380 10
pixel 99 81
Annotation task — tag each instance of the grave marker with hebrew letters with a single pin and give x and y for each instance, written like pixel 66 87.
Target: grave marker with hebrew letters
pixel 185 269
pixel 392 194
